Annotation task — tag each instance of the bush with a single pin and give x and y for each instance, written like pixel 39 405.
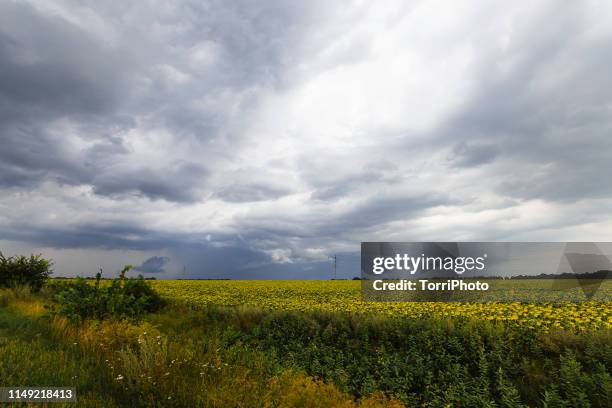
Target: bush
pixel 123 298
pixel 425 362
pixel 32 271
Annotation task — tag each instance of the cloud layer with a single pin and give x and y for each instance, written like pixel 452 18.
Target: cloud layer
pixel 254 139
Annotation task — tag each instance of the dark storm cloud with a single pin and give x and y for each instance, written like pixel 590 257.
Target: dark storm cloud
pixel 113 236
pixel 548 118
pixel 244 193
pixel 30 155
pixel 49 68
pixel 218 261
pixel 155 264
pixel 52 69
pixel 180 103
pixel 368 214
pixel 177 182
pixel 380 210
pixel 245 45
pixel 330 178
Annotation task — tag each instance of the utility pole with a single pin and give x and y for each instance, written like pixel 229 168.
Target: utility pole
pixel 335 265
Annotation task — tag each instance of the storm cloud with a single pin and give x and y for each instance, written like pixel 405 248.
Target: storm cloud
pixel 256 139
pixel 155 264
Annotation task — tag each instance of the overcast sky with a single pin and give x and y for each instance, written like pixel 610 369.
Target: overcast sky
pixel 252 139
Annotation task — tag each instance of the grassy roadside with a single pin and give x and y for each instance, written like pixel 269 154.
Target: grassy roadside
pixel 117 363
pixel 30 357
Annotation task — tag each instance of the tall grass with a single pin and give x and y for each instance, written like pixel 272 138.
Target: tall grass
pixel 30 357
pixel 120 363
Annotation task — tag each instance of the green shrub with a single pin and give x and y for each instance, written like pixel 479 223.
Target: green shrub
pixel 21 270
pixel 123 298
pixel 433 362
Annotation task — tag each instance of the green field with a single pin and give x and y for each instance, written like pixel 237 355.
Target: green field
pixel 312 344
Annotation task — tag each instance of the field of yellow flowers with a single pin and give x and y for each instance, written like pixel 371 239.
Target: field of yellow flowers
pixel 345 296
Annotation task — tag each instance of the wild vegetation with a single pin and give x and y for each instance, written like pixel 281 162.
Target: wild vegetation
pixel 20 270
pixel 123 298
pixel 250 344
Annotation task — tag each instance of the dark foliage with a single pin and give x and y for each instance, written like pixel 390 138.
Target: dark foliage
pixel 123 298
pixel 22 270
pixel 434 363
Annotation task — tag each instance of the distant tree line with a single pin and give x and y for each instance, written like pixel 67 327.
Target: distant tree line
pixel 603 274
